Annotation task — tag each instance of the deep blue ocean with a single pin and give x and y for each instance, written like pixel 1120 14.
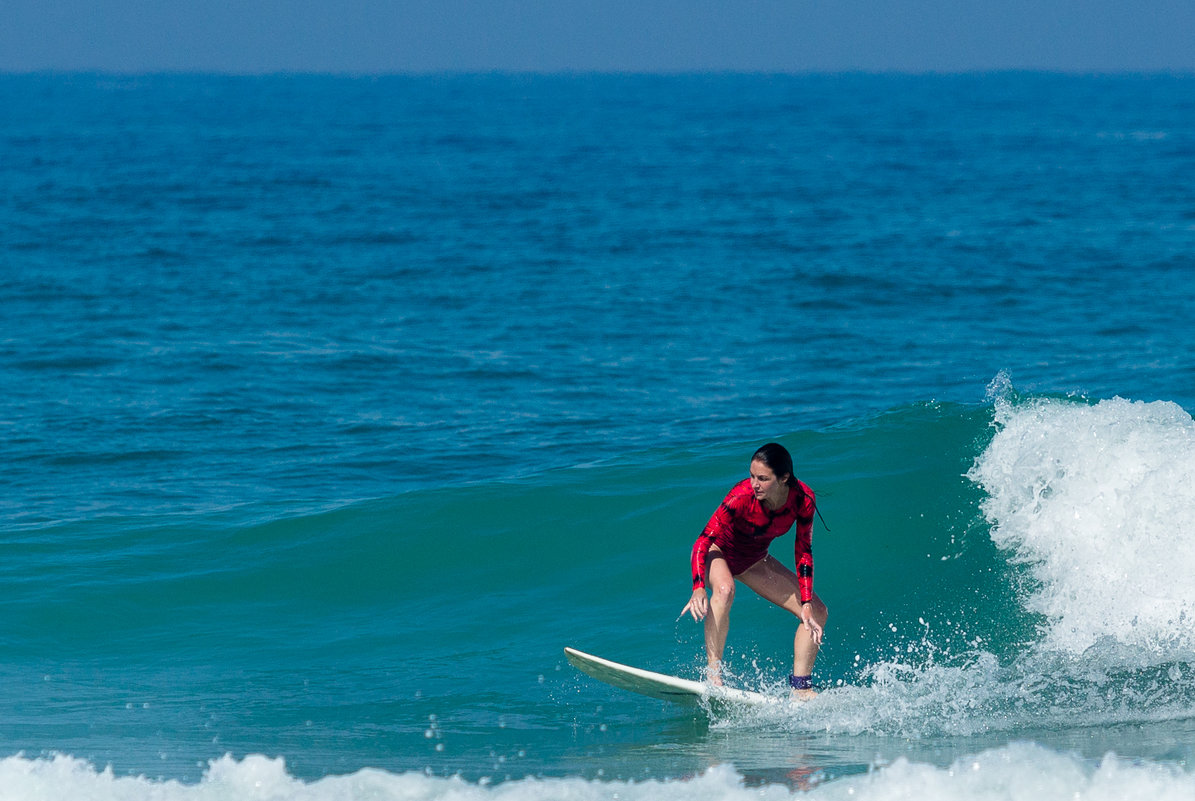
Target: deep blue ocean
pixel 334 408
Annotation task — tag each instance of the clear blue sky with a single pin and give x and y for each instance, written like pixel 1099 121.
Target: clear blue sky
pixel 377 36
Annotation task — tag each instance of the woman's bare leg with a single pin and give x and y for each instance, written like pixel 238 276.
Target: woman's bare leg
pixel 776 583
pixel 717 622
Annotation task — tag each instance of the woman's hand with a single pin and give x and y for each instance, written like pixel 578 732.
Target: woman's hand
pixel 815 631
pixel 698 606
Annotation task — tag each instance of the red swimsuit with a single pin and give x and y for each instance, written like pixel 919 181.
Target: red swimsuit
pixel 743 528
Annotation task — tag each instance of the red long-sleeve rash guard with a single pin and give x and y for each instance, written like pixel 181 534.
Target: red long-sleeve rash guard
pixel 743 528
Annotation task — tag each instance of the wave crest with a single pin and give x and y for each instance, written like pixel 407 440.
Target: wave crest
pixel 1098 501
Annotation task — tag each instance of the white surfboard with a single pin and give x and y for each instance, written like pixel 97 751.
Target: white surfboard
pixel 660 685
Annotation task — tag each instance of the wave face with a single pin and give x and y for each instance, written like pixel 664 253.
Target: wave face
pixel 1003 572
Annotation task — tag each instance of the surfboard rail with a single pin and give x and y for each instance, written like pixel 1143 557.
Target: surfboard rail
pixel 660 685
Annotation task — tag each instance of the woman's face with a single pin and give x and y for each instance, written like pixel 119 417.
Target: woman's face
pixel 767 486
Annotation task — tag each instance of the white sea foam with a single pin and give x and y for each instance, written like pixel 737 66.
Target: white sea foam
pixel 1099 502
pixel 980 697
pixel 1018 771
pixel 1010 773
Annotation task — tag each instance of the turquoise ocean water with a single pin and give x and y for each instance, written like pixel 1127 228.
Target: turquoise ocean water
pixel 333 408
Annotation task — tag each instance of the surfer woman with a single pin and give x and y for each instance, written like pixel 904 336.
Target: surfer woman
pixel 734 544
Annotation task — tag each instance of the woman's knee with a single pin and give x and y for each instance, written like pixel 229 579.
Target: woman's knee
pixel 722 592
pixel 820 612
